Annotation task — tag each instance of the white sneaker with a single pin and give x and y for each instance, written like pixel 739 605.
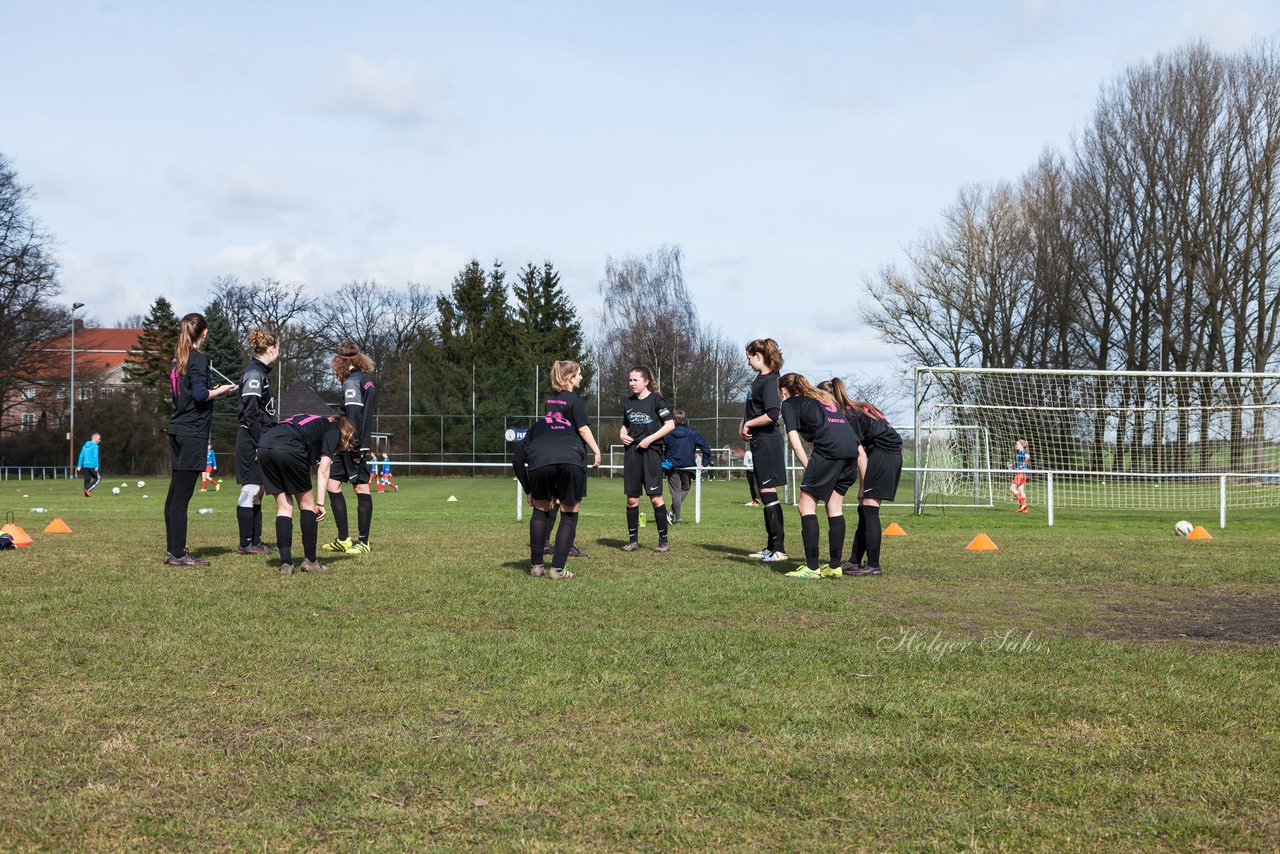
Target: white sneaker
pixel 774 557
pixel 760 555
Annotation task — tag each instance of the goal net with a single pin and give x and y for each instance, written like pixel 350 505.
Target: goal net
pixel 1112 439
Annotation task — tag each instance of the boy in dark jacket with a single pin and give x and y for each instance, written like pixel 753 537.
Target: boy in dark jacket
pixel 682 444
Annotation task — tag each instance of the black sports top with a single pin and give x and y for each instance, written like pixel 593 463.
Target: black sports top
pixel 762 398
pixel 320 435
pixel 571 406
pixel 257 403
pixel 877 433
pixel 191 417
pixel 824 426
pixel 644 417
pixel 358 396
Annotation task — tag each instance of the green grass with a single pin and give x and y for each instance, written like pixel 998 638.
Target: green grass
pixel 432 694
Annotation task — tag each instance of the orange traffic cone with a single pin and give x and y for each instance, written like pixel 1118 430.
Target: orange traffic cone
pixel 20 538
pixel 57 526
pixel 1199 533
pixel 982 543
pixel 894 530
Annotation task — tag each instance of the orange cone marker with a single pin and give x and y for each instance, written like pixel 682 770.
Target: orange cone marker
pixel 57 526
pixel 20 537
pixel 982 543
pixel 894 530
pixel 1199 533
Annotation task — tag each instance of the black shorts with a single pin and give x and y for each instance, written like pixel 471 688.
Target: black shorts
pixel 248 472
pixel 563 482
pixel 641 472
pixel 187 453
pixel 347 470
pixel 823 476
pixel 884 470
pixel 769 461
pixel 286 468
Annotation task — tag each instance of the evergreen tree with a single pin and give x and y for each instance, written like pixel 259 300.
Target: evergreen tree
pixel 148 363
pixel 546 321
pixel 226 355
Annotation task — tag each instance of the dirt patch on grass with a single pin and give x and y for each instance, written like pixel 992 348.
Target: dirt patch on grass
pixel 1196 616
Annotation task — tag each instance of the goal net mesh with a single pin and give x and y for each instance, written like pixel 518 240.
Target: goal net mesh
pixel 1118 440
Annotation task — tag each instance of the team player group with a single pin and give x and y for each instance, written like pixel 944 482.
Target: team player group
pixel 851 443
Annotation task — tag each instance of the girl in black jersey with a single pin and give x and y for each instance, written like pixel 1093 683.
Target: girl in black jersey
pixel 813 416
pixel 880 476
pixel 353 369
pixel 257 413
pixel 566 376
pixel 760 427
pixel 551 466
pixel 188 432
pixel 286 454
pixel 645 420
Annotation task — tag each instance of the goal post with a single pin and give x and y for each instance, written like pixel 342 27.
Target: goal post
pixel 1111 439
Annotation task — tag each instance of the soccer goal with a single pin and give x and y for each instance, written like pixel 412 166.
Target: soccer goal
pixel 1107 439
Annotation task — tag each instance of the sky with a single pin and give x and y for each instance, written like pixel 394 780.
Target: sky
pixel 790 150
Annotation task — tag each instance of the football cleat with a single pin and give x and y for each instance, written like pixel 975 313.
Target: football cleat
pixel 337 545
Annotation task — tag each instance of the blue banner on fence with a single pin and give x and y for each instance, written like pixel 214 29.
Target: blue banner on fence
pixel 517 434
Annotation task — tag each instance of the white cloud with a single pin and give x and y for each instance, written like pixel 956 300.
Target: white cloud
pixel 242 190
pixel 392 93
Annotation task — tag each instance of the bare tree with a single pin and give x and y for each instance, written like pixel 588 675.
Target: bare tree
pixel 28 281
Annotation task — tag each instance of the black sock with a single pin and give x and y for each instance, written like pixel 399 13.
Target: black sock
pixel 873 535
pixel 338 510
pixel 660 519
pixel 860 536
pixel 539 526
pixel 564 539
pixel 809 536
pixel 633 523
pixel 552 515
pixel 181 487
pixel 244 518
pixel 364 515
pixel 284 538
pixel 257 521
pixel 774 513
pixel 307 523
pixel 768 524
pixel 835 539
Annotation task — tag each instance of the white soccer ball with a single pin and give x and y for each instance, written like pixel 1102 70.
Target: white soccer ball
pixel 115 490
pixel 1182 528
pixel 141 484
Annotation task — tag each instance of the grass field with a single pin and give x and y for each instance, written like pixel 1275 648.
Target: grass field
pixel 1100 684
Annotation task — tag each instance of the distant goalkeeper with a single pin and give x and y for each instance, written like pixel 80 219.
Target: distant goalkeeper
pixel 1021 465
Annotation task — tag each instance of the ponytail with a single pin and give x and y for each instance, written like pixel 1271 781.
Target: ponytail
pixel 799 385
pixel 189 331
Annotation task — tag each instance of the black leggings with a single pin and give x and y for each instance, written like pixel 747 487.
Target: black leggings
pixel 181 487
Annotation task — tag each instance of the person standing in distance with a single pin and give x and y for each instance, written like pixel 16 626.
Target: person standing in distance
pixel 257 414
pixel 760 427
pixel 813 416
pixel 684 446
pixel 188 432
pixel 88 464
pixel 748 463
pixel 1021 465
pixel 286 454
pixel 645 420
pixel 352 368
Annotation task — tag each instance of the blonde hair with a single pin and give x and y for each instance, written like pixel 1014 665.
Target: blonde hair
pixel 189 331
pixel 647 372
pixel 768 348
pixel 348 432
pixel 562 372
pixel 799 385
pixel 262 340
pixel 350 358
pixel 838 391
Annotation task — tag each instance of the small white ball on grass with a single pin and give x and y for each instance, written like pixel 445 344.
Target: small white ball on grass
pixel 1182 528
pixel 115 490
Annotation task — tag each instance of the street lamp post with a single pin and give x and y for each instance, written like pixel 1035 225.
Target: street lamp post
pixel 71 430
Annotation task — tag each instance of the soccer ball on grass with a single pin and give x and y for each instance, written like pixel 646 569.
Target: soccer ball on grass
pixel 115 490
pixel 1182 528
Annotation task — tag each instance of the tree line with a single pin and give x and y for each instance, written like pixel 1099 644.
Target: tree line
pixel 1149 244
